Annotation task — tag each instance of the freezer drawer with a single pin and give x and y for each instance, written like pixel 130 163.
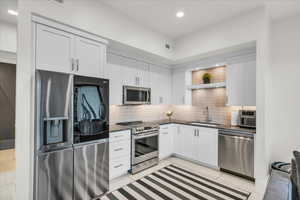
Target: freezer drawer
pixel 91 170
pixel 236 154
pixel 55 175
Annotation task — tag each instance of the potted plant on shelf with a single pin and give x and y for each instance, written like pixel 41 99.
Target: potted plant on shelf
pixel 206 78
pixel 169 114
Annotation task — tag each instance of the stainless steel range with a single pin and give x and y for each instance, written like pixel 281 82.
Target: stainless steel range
pixel 144 148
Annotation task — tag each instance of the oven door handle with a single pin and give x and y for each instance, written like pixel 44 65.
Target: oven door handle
pixel 144 136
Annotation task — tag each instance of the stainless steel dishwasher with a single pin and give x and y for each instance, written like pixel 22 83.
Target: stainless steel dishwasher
pixel 236 152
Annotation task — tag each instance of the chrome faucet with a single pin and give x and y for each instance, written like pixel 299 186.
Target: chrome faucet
pixel 208 117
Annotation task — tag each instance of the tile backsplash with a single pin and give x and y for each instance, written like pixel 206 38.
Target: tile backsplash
pixel 219 115
pixel 157 112
pixel 140 112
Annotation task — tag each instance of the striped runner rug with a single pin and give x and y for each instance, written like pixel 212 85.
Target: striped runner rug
pixel 173 182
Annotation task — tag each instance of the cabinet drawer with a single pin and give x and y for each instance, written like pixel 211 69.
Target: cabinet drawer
pixel 119 149
pixel 164 129
pixel 119 136
pixel 118 167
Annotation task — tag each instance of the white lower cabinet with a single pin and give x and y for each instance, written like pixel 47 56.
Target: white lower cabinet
pixel 197 143
pixel 178 139
pixel 191 142
pixel 119 153
pixel 206 146
pixel 166 140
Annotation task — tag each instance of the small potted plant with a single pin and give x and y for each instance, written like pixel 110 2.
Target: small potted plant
pixel 206 78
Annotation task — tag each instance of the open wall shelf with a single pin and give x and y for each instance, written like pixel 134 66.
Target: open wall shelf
pixel 207 86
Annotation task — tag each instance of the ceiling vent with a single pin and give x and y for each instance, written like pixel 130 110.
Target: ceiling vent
pixel 168 46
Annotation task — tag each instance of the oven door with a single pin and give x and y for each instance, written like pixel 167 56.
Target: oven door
pixel 136 95
pixel 144 147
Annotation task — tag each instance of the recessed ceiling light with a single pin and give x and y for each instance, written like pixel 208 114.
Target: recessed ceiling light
pixel 180 14
pixel 13 12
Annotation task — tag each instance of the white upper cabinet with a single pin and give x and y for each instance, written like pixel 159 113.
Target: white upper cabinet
pixel 241 84
pixel 160 83
pixel 137 75
pixel 132 72
pixel 63 51
pixel 178 88
pixel 114 74
pixel 90 57
pixel 54 49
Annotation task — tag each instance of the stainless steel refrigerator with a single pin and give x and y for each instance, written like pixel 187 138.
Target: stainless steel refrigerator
pixel 71 136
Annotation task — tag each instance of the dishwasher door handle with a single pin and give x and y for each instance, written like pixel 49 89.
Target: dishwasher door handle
pixel 236 137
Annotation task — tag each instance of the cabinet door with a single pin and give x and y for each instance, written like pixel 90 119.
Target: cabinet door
pixel 207 146
pixel 135 73
pixel 144 75
pixel 241 84
pixel 160 83
pixel 189 141
pixel 54 49
pixel 165 141
pixel 90 57
pixel 178 140
pixel 114 74
pixel 178 88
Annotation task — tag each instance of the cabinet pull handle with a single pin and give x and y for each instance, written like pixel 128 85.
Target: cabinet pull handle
pixel 77 64
pixel 72 64
pixel 117 166
pixel 119 149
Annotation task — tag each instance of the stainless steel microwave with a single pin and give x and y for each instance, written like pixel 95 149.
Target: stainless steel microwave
pixel 136 95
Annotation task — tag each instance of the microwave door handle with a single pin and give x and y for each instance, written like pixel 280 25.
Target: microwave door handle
pixel 148 96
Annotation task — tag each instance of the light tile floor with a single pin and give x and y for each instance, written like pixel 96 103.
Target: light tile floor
pixel 257 190
pixel 7 174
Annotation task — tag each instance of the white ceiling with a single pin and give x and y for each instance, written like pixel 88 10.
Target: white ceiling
pixel 159 15
pixel 4 6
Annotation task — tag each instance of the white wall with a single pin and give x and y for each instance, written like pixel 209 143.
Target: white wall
pixel 226 34
pixel 285 92
pixel 8 37
pixel 97 18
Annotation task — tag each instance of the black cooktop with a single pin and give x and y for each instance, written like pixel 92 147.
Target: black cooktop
pixel 129 123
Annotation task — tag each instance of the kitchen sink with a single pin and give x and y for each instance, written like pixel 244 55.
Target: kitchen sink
pixel 205 124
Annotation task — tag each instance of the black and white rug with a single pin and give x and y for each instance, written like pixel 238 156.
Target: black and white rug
pixel 173 182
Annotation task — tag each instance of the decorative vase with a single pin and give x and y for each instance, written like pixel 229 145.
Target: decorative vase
pixel 169 114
